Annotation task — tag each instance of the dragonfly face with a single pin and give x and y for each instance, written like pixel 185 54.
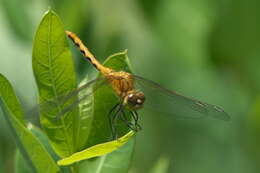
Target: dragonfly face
pixel 134 100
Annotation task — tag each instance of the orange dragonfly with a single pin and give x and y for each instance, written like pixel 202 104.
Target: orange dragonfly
pixel 132 99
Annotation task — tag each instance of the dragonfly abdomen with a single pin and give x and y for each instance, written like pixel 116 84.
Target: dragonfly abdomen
pixel 87 54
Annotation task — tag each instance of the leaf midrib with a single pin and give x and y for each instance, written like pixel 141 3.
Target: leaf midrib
pixel 53 82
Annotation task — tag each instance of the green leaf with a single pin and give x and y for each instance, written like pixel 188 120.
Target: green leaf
pixel 20 163
pixel 44 140
pixel 38 133
pixel 85 115
pixel 116 162
pixel 54 73
pixel 104 100
pixel 32 150
pixel 8 95
pixel 96 150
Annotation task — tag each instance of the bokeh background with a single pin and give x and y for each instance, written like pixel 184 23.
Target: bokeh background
pixel 207 49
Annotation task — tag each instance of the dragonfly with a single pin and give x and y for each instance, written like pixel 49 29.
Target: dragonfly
pixel 135 92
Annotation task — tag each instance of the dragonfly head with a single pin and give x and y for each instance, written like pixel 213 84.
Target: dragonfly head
pixel 134 99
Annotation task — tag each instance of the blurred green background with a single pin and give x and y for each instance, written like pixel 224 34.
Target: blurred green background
pixel 207 49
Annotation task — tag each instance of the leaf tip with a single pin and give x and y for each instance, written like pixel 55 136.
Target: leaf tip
pixel 49 12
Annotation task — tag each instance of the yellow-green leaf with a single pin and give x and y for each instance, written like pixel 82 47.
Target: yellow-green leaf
pixel 96 150
pixel 118 161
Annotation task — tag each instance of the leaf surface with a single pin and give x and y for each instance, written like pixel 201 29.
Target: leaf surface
pixel 10 99
pixel 116 162
pixel 96 150
pixel 21 166
pixel 55 76
pixel 85 114
pixel 37 158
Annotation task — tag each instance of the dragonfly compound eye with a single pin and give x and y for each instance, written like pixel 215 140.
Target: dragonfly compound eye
pixel 135 100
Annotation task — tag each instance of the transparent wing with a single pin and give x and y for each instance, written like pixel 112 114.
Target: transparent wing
pixel 170 102
pixel 66 102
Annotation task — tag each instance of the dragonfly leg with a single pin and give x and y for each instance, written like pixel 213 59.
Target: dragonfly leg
pixel 136 117
pixel 128 123
pixel 118 107
pixel 112 127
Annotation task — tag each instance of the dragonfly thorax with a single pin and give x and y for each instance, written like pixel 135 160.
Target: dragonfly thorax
pixel 134 99
pixel 122 82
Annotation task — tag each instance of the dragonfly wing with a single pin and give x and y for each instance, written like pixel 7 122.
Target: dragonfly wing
pixel 170 102
pixel 64 103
